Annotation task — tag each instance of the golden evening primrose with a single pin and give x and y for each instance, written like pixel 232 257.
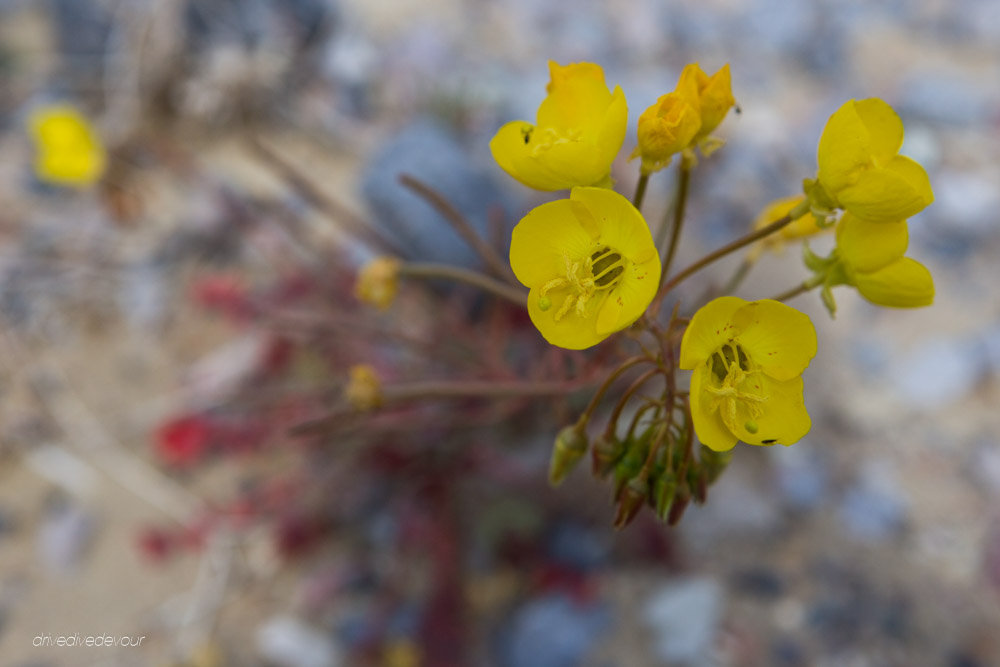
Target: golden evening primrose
pixel 713 95
pixel 68 151
pixel 748 360
pixel 666 128
pixel 378 282
pixel 870 257
pixel 860 169
pixel 578 131
pixel 590 264
pixel 801 227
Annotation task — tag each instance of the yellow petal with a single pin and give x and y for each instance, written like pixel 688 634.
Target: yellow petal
pixel 510 143
pixel 614 125
pixel 562 166
pixel 845 148
pixel 716 97
pixel 783 419
pixel 610 313
pixel 905 283
pixel 867 246
pixel 68 150
pixel 543 239
pixel 883 125
pixel 708 424
pixel 708 330
pixel 577 99
pixel 571 331
pixel 667 127
pixel 887 194
pixel 780 340
pixel 621 226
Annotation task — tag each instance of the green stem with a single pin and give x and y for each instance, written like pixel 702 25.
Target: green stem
pixel 738 276
pixel 457 274
pixel 640 191
pixel 596 398
pixel 741 242
pixel 683 181
pixel 801 288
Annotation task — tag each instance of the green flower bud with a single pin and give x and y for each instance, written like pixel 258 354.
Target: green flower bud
pixel 570 446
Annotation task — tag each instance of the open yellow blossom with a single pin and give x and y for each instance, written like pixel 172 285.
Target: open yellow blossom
pixel 590 263
pixel 666 128
pixel 579 129
pixel 68 151
pixel 870 254
pixel 378 282
pixel 748 359
pixel 860 168
pixel 364 389
pixel 801 227
pixel 714 95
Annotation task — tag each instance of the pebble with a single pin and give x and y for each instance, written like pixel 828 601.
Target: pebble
pixel 552 631
pixel 684 617
pixel 288 642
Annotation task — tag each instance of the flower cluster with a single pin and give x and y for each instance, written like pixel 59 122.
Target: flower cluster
pixel 592 269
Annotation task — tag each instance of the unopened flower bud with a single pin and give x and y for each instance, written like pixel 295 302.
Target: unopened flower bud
pixel 631 463
pixel 606 452
pixel 364 389
pixel 664 491
pixel 570 446
pixel 666 128
pixel 378 282
pixel 681 500
pixel 713 462
pixel 632 498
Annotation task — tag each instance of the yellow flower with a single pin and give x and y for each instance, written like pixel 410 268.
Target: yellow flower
pixel 748 360
pixel 801 227
pixel 860 168
pixel 590 263
pixel 378 282
pixel 68 151
pixel 713 95
pixel 579 129
pixel 666 128
pixel 871 257
pixel 364 389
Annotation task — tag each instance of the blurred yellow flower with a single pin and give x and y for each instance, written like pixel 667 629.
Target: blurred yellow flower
pixel 748 360
pixel 378 282
pixel 364 389
pixel 68 151
pixel 860 168
pixel 666 128
pixel 590 263
pixel 713 95
pixel 870 255
pixel 579 129
pixel 801 227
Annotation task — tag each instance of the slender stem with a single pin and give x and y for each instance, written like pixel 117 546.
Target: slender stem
pixel 458 274
pixel 493 260
pixel 609 431
pixel 349 221
pixel 640 191
pixel 739 275
pixel 798 211
pixel 683 181
pixel 801 288
pixel 614 375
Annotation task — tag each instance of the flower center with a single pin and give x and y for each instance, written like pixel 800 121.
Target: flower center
pixel 544 138
pixel 736 387
pixel 601 271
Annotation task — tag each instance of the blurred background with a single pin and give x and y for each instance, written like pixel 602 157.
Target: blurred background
pixel 164 328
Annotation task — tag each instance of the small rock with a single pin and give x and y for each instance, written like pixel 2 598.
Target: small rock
pixel 429 153
pixel 288 642
pixel 684 616
pixel 936 372
pixel 66 531
pixel 874 508
pixel 575 545
pixel 552 631
pixel 758 582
